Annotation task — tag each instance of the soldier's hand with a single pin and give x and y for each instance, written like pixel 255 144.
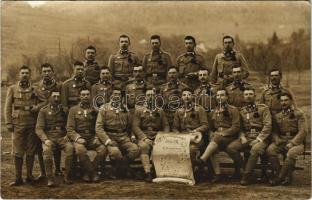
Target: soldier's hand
pixel 10 128
pixel 112 143
pixel 289 146
pixel 97 141
pixel 243 139
pixel 81 141
pixel 149 141
pixel 278 141
pixel 133 139
pixel 48 142
pixel 34 109
pixel 254 142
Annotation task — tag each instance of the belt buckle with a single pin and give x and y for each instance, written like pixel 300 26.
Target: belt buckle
pixel 58 128
pixel 155 75
pixel 252 130
pixel 26 108
pixel 220 129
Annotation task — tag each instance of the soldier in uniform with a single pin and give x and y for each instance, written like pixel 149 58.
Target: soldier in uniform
pixel 289 134
pixel 122 62
pixel 92 68
pixel 171 93
pixel 156 63
pixel 236 88
pixel 20 118
pixel 254 137
pixel 136 88
pixel 102 90
pixel 51 130
pixel 225 128
pixel 189 63
pixel 43 90
pixel 147 121
pixel 113 127
pixel 80 129
pixel 271 91
pixel 191 118
pixel 224 62
pixel 70 91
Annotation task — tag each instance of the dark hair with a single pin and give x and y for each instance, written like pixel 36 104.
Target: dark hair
pixel 187 89
pixel 227 36
pixel 102 68
pixel 154 37
pixel 276 69
pixel 172 67
pixel 83 88
pixel 124 36
pixel 24 67
pixel 46 65
pixel 223 89
pixel 285 94
pixel 78 63
pixel 189 37
pixel 250 88
pixel 204 70
pixel 91 47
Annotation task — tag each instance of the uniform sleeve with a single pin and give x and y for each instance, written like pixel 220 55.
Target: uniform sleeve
pixel 64 95
pixel 302 130
pixel 165 123
pixel 275 129
pixel 136 126
pixel 176 122
pixel 110 64
pixel 71 126
pixel 40 126
pixel 99 129
pixel 203 121
pixel 214 71
pixel 244 65
pixel 267 125
pixel 169 62
pixel 235 127
pixel 203 64
pixel 262 99
pixel 8 107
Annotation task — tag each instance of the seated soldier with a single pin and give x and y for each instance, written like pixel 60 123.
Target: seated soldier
pixel 51 130
pixel 113 127
pixel 147 121
pixel 256 129
pixel 225 127
pixel 191 118
pixel 80 129
pixel 289 133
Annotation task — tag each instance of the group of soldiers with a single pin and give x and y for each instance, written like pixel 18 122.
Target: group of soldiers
pixel 118 110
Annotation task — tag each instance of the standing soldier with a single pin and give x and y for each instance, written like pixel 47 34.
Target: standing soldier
pixel 92 68
pixel 122 62
pixel 51 130
pixel 254 138
pixel 43 91
pixel 113 127
pixel 135 90
pixel 225 126
pixel 171 93
pixel 236 88
pixel 269 96
pixel 147 121
pixel 289 134
pixel 224 62
pixel 20 118
pixel 156 63
pixel 191 118
pixel 102 90
pixel 80 129
pixel 71 88
pixel 189 63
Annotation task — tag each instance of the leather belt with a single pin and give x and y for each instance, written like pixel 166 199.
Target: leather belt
pixel 115 130
pixel 26 108
pixel 59 128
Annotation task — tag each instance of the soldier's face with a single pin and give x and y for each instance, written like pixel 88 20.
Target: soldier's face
pixel 55 98
pixel 285 102
pixel 189 45
pixel 228 44
pixel 249 96
pixel 155 44
pixel 203 76
pixel 237 73
pixel 138 72
pixel 116 96
pixel 90 54
pixel 221 96
pixel 124 43
pixel 172 74
pixel 85 96
pixel 275 77
pixel 105 74
pixel 150 95
pixel 79 70
pixel 186 96
pixel 24 74
pixel 47 72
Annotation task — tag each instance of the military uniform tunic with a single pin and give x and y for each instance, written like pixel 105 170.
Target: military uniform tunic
pixel 101 92
pixel 92 71
pixel 236 93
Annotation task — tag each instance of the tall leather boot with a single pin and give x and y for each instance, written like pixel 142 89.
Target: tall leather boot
pixel 288 174
pixel 57 161
pixel 98 166
pixel 87 167
pixel 276 168
pixel 251 163
pixel 237 161
pixel 147 167
pixel 18 162
pixel 29 168
pixel 48 169
pixel 68 168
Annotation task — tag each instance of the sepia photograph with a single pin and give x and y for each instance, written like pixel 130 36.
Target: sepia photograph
pixel 155 100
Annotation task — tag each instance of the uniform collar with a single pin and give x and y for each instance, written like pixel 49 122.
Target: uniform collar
pixel 24 84
pixel 190 53
pixel 84 106
pixel 123 52
pixel 78 79
pixel 105 82
pixel 251 107
pixel 275 87
pixel 90 62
